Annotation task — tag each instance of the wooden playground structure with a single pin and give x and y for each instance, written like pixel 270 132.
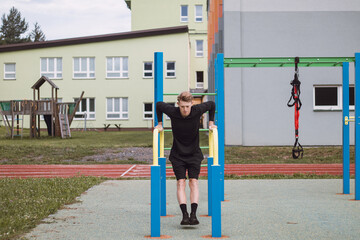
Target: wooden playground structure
pixel 57 115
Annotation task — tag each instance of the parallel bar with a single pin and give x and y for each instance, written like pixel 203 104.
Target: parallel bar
pixel 204 147
pixel 195 94
pixel 200 130
pixel 346 130
pixel 202 165
pixel 357 130
pixel 287 62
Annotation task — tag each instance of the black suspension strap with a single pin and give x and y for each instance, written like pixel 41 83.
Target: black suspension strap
pixel 297 150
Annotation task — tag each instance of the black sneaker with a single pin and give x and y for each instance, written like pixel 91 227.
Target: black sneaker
pixel 193 219
pixel 185 220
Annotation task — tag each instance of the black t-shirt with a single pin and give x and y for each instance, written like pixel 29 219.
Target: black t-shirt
pixel 185 130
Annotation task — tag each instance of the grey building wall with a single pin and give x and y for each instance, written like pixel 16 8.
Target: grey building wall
pixel 255 98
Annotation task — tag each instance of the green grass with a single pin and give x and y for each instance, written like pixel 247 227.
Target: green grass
pixel 25 202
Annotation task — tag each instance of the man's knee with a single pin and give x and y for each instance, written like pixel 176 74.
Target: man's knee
pixel 193 182
pixel 181 183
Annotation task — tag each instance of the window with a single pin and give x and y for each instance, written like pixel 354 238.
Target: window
pixel 198 13
pixel 117 108
pixel 351 97
pixel 9 71
pixel 327 98
pixel 51 67
pixel 199 48
pixel 117 67
pixel 170 69
pixel 148 70
pixel 184 16
pixel 148 111
pixel 86 109
pixel 84 67
pixel 200 79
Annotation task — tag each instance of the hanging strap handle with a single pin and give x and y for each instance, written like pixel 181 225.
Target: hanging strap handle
pixel 297 150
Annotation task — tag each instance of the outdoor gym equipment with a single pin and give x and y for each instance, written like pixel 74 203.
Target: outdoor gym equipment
pixel 215 160
pixel 319 62
pixel 297 150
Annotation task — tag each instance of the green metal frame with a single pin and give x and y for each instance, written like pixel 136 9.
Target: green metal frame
pixel 287 62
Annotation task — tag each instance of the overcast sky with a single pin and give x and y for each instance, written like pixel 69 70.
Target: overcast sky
pixel 72 18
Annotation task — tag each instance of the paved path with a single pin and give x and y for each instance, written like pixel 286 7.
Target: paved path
pixel 257 209
pixel 126 171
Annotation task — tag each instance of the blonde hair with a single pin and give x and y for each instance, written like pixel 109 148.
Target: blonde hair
pixel 185 97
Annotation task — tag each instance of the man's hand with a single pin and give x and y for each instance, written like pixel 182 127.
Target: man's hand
pixel 212 125
pixel 159 127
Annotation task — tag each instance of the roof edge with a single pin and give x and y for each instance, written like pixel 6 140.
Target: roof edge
pixel 94 39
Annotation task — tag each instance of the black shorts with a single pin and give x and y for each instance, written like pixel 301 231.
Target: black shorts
pixel 180 167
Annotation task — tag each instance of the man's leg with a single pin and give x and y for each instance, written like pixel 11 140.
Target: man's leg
pixel 181 195
pixel 194 171
pixel 180 173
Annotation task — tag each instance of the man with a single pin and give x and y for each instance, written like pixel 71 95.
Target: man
pixel 185 153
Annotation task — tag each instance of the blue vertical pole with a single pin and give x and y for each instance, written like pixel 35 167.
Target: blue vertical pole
pixel 216 202
pixel 162 163
pixel 155 201
pixel 158 81
pixel 209 163
pixel 221 119
pixel 346 130
pixel 357 130
pixel 158 97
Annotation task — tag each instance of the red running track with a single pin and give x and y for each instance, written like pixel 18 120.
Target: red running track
pixel 143 171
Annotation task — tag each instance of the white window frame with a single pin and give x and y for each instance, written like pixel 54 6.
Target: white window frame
pixel 330 107
pixel 148 71
pixel 184 18
pixel 121 112
pixel 170 71
pixel 199 53
pixel 122 73
pixel 198 16
pixel 55 72
pixel 86 71
pixel 199 85
pixel 6 72
pixel 148 112
pixel 88 112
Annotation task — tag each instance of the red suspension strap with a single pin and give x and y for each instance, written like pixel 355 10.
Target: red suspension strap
pixel 297 150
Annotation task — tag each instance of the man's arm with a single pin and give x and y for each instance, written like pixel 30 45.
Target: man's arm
pixel 161 108
pixel 209 106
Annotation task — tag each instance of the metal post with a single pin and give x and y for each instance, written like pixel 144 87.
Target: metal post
pixel 209 163
pixel 158 97
pixel 357 122
pixel 346 131
pixel 221 122
pixel 216 201
pixel 158 81
pixel 162 163
pixel 155 201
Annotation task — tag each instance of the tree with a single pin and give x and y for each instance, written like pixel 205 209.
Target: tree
pixel 13 26
pixel 37 35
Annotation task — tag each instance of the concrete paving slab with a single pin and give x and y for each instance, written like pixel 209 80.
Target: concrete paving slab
pixel 257 209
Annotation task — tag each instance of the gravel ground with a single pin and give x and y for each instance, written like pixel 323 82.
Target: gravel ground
pixel 141 154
